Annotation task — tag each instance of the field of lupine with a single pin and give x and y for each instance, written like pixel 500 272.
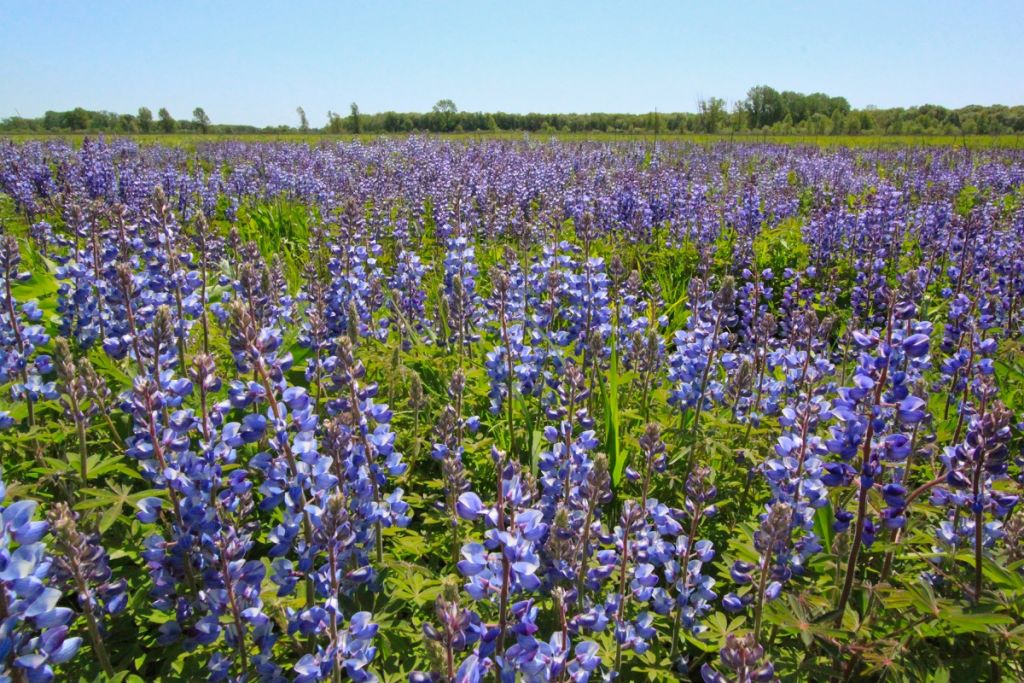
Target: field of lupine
pixel 469 411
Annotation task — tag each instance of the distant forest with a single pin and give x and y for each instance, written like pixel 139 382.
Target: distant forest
pixel 763 111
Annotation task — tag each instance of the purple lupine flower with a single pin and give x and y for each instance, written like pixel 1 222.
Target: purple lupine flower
pixel 34 637
pixel 773 544
pixel 363 454
pixel 509 564
pixel 348 648
pixel 461 300
pixel 972 469
pixel 198 556
pixel 457 630
pixel 83 566
pixel 685 572
pixel 448 449
pixel 21 335
pixel 409 297
pixel 744 657
pixel 694 366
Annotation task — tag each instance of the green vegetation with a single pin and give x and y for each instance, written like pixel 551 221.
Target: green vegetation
pixel 764 111
pixel 190 140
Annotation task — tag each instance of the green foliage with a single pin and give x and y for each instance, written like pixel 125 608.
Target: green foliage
pixel 897 628
pixel 967 200
pixel 167 122
pixel 281 231
pixel 782 247
pixel 612 418
pixel 145 119
pixel 355 124
pixel 201 120
pixel 764 111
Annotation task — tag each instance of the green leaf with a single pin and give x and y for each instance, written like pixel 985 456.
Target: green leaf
pixel 109 517
pixel 414 587
pixel 612 417
pixel 823 517
pixel 922 596
pixel 974 621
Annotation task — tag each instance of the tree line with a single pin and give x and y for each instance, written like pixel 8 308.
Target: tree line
pixel 763 111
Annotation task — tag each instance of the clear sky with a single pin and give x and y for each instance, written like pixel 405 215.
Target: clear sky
pixel 255 62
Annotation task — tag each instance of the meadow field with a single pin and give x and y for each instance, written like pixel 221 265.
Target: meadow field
pixel 511 408
pixel 862 141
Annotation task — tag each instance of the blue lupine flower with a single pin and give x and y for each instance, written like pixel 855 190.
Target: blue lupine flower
pixel 34 636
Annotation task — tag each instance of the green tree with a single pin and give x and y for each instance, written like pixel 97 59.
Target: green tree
pixel 303 121
pixel 167 122
pixel 763 106
pixel 852 125
pixel 444 114
pixel 838 122
pixel 201 120
pixel 128 123
pixel 710 114
pixel 653 122
pixel 334 123
pixel 354 124
pixel 391 122
pixel 819 123
pixel 145 119
pixel 77 119
pixel 786 126
pixel 736 119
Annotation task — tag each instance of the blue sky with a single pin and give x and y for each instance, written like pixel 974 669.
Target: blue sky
pixel 254 62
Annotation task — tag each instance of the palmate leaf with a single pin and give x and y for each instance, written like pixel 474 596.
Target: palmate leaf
pixel 109 370
pixel 109 517
pixel 1008 578
pixel 974 620
pixel 720 626
pixel 101 464
pixel 110 503
pixel 408 545
pixel 943 615
pixel 414 586
pixel 58 466
pixel 922 597
pixel 792 615
pixel 650 668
